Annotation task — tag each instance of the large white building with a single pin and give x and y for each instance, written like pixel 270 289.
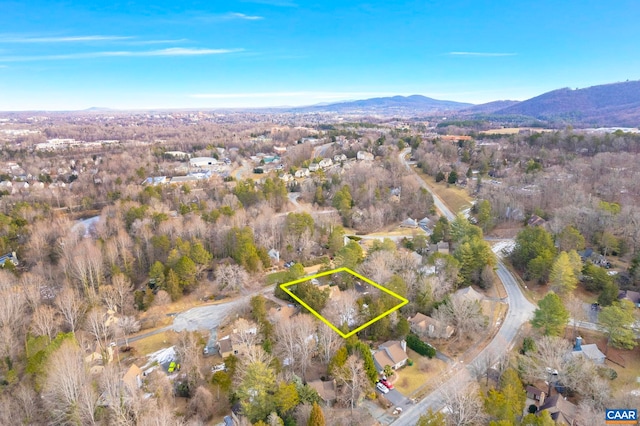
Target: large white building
pixel 203 161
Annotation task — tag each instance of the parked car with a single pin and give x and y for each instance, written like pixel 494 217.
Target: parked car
pixel 386 383
pixel 382 388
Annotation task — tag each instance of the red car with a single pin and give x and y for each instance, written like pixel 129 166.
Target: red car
pixel 387 384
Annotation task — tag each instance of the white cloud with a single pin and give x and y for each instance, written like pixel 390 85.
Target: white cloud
pixel 245 17
pixel 173 51
pixel 67 39
pixel 485 54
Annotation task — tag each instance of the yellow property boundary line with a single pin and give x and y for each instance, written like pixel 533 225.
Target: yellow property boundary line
pixel 403 301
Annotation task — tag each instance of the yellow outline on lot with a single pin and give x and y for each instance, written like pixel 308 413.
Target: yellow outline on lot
pixel 403 301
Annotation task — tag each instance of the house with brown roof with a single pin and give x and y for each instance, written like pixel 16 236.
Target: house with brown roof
pixel 326 390
pixel 468 294
pixel 392 353
pixel 426 326
pixel 562 411
pixel 225 347
pixel 132 379
pixel 282 313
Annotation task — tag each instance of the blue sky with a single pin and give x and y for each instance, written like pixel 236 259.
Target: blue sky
pixel 178 54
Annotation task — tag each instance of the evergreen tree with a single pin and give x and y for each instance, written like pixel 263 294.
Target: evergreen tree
pixel 617 320
pixel 551 315
pixel 316 418
pixel 562 277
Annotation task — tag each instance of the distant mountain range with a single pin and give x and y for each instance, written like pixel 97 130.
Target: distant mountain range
pixel 616 104
pixel 414 104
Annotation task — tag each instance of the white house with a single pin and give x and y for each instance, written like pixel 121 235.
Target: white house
pixel 339 157
pixel 314 167
pixel 303 172
pixel 325 163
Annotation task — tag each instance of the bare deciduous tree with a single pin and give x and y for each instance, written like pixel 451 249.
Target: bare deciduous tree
pixel 231 277
pixel 44 321
pixel 71 307
pixel 465 316
pixel 296 343
pixel 98 327
pixel 68 393
pixel 127 326
pixel 463 405
pixel 354 381
pixel 328 342
pixel 201 405
pixel 189 354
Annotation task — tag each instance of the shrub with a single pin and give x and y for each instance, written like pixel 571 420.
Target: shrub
pixel 420 347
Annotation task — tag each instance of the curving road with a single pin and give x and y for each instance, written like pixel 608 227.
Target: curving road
pixel 520 311
pixel 436 200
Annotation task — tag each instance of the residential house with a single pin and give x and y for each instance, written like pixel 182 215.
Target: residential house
pixel 339 157
pixel 314 167
pixel 301 173
pixel 392 353
pixel 535 394
pixel 325 163
pixel 282 313
pixel 286 177
pixel 590 351
pixel 274 254
pixel 424 325
pixel 562 411
pixel 468 294
pixel 225 347
pixel 326 390
pixel 536 220
pixel 183 179
pixel 334 291
pixel 132 379
pixel 280 149
pixel 364 156
pixel 630 295
pixel 442 247
pixel 409 223
pixel 9 257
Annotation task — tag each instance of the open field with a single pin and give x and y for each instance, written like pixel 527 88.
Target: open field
pixel 454 197
pixel 154 343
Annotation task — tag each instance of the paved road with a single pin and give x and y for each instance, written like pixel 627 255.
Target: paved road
pixel 437 201
pixel 520 311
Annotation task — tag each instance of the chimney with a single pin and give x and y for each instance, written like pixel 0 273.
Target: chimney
pixel 403 345
pixel 542 396
pixel 578 345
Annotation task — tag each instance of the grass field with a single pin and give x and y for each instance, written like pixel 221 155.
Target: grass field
pixel 412 377
pixel 154 343
pixel 455 198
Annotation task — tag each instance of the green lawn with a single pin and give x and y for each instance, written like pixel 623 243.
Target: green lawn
pixel 276 277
